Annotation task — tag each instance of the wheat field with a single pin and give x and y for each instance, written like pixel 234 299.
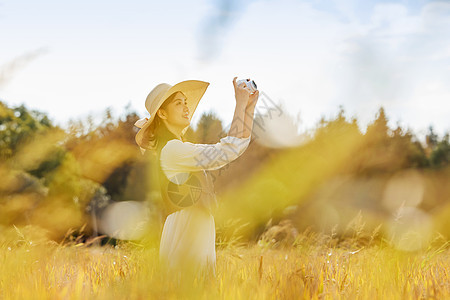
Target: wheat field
pixel 314 267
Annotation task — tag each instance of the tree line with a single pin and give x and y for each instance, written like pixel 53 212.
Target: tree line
pixel 55 176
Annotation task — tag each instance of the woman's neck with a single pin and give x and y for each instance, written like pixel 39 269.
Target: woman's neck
pixel 175 130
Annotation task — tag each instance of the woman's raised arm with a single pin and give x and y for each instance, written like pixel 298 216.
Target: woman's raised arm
pixel 249 113
pixel 237 127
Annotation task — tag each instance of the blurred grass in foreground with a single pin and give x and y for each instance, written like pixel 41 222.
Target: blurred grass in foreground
pixel 34 267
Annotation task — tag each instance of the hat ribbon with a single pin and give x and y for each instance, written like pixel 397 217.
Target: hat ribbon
pixel 141 122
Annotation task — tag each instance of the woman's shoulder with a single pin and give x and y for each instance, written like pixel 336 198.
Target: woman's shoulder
pixel 173 148
pixel 174 144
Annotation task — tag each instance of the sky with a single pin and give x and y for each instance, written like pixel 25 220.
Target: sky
pixel 74 58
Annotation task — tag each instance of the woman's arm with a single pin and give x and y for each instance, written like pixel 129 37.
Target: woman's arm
pixel 249 113
pixel 178 156
pixel 237 127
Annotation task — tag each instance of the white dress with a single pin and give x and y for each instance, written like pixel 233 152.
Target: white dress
pixel 188 236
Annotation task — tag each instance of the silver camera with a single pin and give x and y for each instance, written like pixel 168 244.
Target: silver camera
pixel 250 84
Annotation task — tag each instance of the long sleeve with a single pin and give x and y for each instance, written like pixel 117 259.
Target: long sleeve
pixel 177 156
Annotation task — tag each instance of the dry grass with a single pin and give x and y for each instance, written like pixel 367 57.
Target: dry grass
pixel 33 267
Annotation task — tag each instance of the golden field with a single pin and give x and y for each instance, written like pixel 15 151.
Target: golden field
pixel 33 267
pixel 391 190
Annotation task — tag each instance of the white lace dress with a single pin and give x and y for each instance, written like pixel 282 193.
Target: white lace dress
pixel 188 236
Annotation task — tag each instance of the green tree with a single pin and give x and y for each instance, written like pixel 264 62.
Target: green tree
pixel 378 131
pixel 17 126
pixel 209 129
pixel 431 139
pixel 440 157
pixel 387 150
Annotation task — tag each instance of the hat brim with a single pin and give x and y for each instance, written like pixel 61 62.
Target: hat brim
pixel 192 89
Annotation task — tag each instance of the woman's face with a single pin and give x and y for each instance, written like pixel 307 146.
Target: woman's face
pixel 176 111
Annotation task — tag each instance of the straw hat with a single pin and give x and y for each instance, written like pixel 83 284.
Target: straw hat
pixel 192 89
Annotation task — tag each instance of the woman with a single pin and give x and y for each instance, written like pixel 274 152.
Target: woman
pixel 188 236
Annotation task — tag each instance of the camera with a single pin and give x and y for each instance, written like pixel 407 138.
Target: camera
pixel 250 84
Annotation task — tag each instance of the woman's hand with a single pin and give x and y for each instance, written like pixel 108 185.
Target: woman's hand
pixel 241 93
pixel 252 99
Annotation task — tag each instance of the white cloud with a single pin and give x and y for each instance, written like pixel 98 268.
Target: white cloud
pixel 396 61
